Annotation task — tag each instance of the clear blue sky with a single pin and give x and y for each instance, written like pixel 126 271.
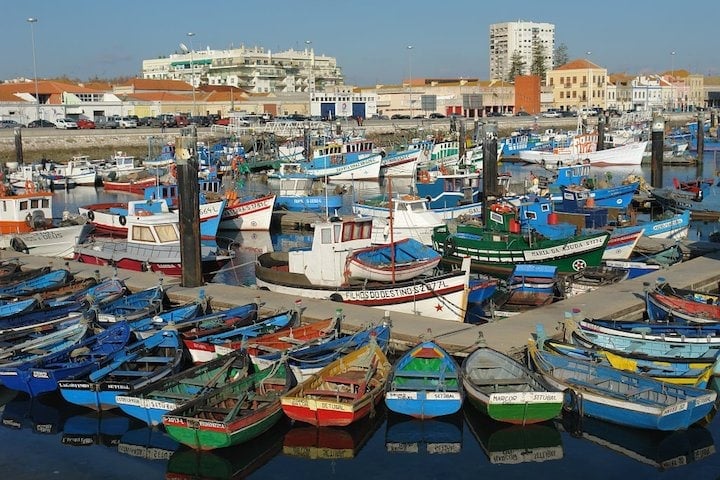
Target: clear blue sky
pixel 369 38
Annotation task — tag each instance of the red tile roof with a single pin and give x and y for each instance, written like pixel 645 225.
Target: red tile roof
pixel 579 64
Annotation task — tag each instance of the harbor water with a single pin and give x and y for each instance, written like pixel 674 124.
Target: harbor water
pixel 49 438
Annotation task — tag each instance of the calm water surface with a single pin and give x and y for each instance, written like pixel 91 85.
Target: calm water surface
pixel 49 438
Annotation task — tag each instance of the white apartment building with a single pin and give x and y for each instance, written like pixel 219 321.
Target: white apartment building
pixel 510 37
pixel 253 69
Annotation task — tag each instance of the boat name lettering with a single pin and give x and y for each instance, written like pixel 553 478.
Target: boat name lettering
pixel 670 223
pixel 117 386
pixel 442 448
pixel 409 291
pixel 703 399
pixel 675 462
pixel 78 385
pixel 174 420
pixel 206 423
pixel 208 209
pixel 564 250
pixel 443 396
pixel 333 406
pixel 40 374
pixel 401 395
pixel 43 428
pixel 44 235
pixel 124 400
pixel 297 402
pixel 7 374
pixel 159 404
pixel 678 407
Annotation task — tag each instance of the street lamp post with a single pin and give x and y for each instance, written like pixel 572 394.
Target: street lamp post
pixel 192 68
pixel 31 21
pixel 311 76
pixel 409 49
pixel 672 80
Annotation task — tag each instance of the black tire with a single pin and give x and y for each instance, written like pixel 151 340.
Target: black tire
pixel 122 220
pixel 336 297
pixel 91 215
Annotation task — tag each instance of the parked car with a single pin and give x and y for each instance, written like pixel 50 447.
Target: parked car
pixel 569 113
pixel 106 122
pixel 200 121
pixel 144 121
pixel 41 123
pixel 522 113
pixel 552 113
pixel 181 121
pixel 163 120
pixel 66 124
pixel 222 122
pixel 127 122
pixel 85 123
pixel 399 116
pixel 436 115
pixel 10 124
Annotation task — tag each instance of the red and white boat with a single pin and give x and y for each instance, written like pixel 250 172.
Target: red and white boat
pixel 583 147
pixel 132 186
pixel 398 261
pixel 152 244
pixel 112 218
pixel 248 213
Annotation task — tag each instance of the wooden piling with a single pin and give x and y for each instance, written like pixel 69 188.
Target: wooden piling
pixel 657 145
pixel 189 202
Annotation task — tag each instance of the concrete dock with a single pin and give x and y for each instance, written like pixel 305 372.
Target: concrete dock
pixel 623 300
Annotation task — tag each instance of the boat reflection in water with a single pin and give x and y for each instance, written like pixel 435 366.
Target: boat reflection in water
pixel 45 415
pixel 238 461
pixel 662 450
pixel 512 444
pixel 97 428
pixel 434 436
pixel 147 443
pixel 331 443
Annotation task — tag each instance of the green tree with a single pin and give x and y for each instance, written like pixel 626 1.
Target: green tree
pixel 517 66
pixel 561 55
pixel 538 66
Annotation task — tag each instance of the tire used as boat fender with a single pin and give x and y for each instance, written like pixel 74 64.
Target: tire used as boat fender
pixel 336 297
pixel 28 219
pixel 91 215
pixel 122 220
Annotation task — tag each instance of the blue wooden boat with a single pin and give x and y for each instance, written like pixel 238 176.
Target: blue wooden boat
pixel 208 347
pixel 622 397
pixel 677 309
pixel 152 401
pixel 309 203
pixel 310 359
pixel 651 350
pixel 104 292
pixel 678 373
pixel 9 308
pixel 40 376
pixel 528 286
pixel 148 326
pixel 218 322
pixel 668 332
pixel 135 366
pixel 449 189
pixel 575 198
pixel 37 320
pixel 48 281
pixel 425 383
pixel 134 306
pixel 34 348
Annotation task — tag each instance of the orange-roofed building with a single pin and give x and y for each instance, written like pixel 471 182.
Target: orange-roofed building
pixel 578 84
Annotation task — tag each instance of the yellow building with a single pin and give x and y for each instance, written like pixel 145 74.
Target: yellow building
pixel 577 85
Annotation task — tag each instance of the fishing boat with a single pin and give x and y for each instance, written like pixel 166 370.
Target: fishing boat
pixel 671 308
pixel 137 186
pixel 135 306
pixel 425 383
pixel 506 390
pixel 42 320
pixel 592 278
pixel 40 376
pixel 345 166
pixel 9 308
pixel 235 413
pixel 112 218
pixel 583 148
pixel 307 360
pixel 448 189
pixel 147 326
pixel 678 201
pixel 662 286
pixel 152 244
pixel 294 337
pixel 151 402
pixel 402 260
pixel 499 247
pixel 399 217
pixel 135 366
pixel 343 392
pixel 622 397
pixel 104 291
pixel 208 347
pixel 76 286
pixel 319 272
pixel 529 286
pixel 678 373
pixel 248 213
pixel 42 283
pixel 669 332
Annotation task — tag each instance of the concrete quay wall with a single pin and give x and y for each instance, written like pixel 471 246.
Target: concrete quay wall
pixel 622 301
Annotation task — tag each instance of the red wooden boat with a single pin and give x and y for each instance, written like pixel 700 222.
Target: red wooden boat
pixel 694 186
pixel 287 338
pixel 681 309
pixel 132 186
pixel 342 393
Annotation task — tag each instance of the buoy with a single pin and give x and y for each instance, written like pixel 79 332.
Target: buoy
pixel 590 202
pixel 514 226
pixel 552 218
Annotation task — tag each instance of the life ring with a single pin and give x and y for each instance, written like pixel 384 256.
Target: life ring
pixel 424 176
pixel 449 247
pixel 410 197
pixel 443 170
pixel 501 208
pixel 122 220
pixel 29 186
pixel 91 215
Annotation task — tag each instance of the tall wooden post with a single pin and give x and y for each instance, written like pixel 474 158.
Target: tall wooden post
pixel 700 137
pixel 601 131
pixel 656 161
pixel 189 200
pixel 461 144
pixel 18 146
pixel 490 169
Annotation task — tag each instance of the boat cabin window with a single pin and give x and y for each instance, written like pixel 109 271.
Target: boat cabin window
pixel 167 233
pixel 23 205
pixel 142 234
pixel 356 230
pixel 416 206
pixel 326 234
pixel 530 215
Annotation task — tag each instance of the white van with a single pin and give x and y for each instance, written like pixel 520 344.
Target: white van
pixel 66 124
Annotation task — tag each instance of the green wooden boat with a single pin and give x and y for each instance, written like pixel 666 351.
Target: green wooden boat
pixel 507 391
pixel 236 413
pixel 497 248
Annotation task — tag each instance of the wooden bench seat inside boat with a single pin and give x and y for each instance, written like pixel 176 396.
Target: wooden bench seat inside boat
pixel 331 393
pixel 500 381
pixel 131 373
